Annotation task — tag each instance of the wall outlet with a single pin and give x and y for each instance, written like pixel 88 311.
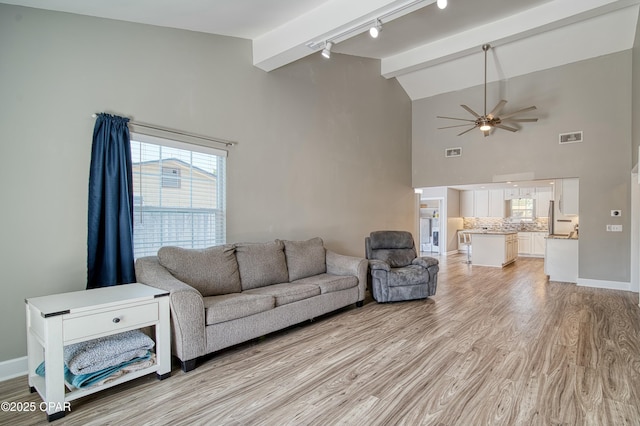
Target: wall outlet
pixel 616 213
pixel 614 228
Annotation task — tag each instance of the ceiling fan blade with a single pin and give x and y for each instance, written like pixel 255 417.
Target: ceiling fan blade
pixel 531 108
pixel 453 118
pixel 502 126
pixel 475 114
pixel 497 109
pixel 468 130
pixel 520 120
pixel 457 125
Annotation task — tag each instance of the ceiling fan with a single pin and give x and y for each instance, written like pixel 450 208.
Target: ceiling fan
pixel 486 122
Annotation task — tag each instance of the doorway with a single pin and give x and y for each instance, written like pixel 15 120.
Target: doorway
pixel 430 225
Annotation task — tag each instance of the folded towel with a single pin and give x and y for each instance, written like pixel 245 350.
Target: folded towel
pixel 99 354
pixel 105 375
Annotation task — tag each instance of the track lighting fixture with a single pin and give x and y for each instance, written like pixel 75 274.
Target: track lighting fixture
pixel 326 52
pixel 375 29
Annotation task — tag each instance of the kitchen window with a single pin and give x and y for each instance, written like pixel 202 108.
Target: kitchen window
pixel 179 195
pixel 522 209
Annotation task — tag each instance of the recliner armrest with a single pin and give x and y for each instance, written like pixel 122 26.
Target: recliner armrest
pixel 425 261
pixel 379 264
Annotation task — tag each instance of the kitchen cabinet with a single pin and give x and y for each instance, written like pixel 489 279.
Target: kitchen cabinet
pixel 496 203
pixel 567 194
pixel 531 244
pixel 466 203
pixel 511 243
pixel 524 243
pixel 511 193
pixel 481 203
pixel 538 243
pixel 543 196
pixel 474 203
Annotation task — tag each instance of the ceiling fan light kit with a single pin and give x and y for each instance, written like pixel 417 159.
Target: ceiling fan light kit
pixel 487 122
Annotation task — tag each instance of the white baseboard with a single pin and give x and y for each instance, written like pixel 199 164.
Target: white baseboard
pixel 611 285
pixel 13 368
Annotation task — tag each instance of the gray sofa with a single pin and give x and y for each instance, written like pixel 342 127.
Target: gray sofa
pixel 225 295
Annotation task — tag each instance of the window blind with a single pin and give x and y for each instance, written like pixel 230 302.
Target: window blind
pixel 179 195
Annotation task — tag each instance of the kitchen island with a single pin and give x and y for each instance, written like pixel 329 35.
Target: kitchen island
pixel 494 248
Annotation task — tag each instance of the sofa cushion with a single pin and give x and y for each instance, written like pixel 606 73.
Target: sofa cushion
pixel 211 271
pixel 329 283
pixel 261 264
pixel 305 258
pixel 228 307
pixel 286 292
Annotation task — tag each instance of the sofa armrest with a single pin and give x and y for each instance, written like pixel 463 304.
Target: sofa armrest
pixel 379 264
pixel 187 308
pixel 339 264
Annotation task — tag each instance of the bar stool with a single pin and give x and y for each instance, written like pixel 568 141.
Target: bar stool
pixel 464 240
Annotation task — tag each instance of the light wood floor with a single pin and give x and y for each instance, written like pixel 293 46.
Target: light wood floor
pixel 493 346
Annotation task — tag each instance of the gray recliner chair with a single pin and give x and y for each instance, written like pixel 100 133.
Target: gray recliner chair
pixel 395 271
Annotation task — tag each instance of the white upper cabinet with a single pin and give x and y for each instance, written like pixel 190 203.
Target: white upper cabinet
pixel 481 203
pixel 466 204
pixel 567 195
pixel 511 193
pixel 496 203
pixel 543 196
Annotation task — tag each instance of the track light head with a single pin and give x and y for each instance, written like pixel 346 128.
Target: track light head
pixel 442 4
pixel 375 29
pixel 326 52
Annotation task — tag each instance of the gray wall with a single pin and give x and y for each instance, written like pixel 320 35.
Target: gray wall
pixel 593 96
pixel 636 97
pixel 324 146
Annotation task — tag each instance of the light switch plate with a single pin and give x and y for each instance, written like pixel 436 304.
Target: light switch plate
pixel 614 228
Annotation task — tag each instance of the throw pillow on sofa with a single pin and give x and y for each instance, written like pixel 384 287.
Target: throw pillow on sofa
pixel 212 271
pixel 261 264
pixel 305 258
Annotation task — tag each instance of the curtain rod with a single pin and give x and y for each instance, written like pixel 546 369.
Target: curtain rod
pixel 178 132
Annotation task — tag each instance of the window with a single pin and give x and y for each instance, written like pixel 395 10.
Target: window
pixel 522 209
pixel 179 195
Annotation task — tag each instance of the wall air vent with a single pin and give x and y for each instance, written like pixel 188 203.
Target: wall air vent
pixel 572 137
pixel 453 152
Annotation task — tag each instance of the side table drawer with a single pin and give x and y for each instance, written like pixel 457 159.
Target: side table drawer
pixel 110 321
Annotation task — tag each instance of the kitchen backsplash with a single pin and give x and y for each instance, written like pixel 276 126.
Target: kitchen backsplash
pixel 501 224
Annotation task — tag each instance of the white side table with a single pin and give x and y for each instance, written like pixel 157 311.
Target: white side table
pixel 62 319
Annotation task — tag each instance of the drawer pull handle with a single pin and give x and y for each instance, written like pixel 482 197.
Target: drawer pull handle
pixel 116 320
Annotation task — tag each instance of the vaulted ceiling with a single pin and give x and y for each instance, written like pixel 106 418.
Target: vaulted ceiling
pixel 429 50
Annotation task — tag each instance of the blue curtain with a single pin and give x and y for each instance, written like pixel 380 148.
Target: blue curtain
pixel 110 236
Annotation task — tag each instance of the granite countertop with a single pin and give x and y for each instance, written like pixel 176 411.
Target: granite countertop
pixel 572 236
pixel 480 231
